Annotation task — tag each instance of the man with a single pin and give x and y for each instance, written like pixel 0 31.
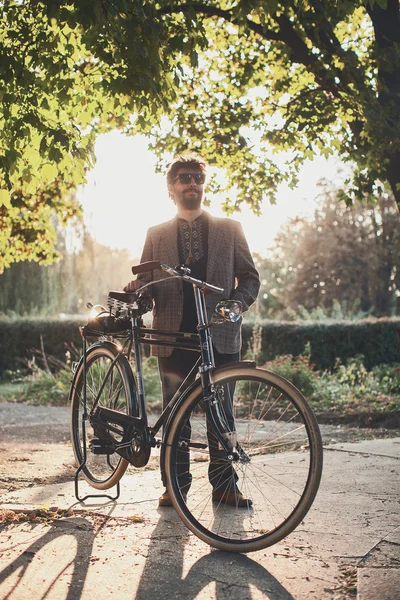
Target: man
pixel 216 251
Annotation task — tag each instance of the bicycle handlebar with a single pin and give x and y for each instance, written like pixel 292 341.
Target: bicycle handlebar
pixel 201 284
pixel 155 264
pixel 145 267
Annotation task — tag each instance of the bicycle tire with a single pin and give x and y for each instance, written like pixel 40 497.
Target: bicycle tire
pixel 277 430
pixel 101 471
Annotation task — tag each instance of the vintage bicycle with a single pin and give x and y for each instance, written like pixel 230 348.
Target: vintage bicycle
pixel 237 426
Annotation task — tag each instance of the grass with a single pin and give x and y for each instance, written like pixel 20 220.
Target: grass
pixel 41 388
pixel 349 390
pixel 12 391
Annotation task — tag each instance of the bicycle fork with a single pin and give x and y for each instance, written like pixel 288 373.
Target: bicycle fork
pixel 219 413
pixel 223 424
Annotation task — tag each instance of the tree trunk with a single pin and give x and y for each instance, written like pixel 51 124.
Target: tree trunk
pixel 386 23
pixel 393 176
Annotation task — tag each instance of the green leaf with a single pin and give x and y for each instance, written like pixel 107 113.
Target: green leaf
pixel 49 172
pixel 5 199
pixel 45 104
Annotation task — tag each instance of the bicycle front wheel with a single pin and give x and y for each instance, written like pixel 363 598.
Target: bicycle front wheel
pixel 109 384
pixel 277 473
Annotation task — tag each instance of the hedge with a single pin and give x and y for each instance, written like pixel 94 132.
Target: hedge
pixel 377 339
pixel 18 336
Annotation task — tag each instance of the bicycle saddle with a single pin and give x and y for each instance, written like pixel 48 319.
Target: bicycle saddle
pixel 127 297
pixel 140 301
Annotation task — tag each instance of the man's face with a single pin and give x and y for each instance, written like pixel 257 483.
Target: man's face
pixel 186 191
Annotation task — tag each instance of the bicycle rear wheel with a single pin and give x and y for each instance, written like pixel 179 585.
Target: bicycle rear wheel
pixel 114 386
pixel 280 468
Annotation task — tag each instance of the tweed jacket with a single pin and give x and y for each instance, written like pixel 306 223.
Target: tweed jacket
pixel 229 266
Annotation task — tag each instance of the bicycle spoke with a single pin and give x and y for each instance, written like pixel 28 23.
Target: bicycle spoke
pixel 273 467
pixel 106 387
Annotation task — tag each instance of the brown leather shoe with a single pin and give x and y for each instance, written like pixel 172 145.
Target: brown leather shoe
pixel 234 498
pixel 165 499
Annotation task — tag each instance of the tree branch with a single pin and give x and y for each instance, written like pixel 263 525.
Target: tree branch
pixel 386 25
pixel 286 34
pixel 215 11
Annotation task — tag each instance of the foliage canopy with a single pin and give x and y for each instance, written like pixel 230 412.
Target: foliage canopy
pixel 239 80
pixel 344 260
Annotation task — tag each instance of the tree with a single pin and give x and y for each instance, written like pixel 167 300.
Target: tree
pixel 278 271
pixel 69 71
pixel 350 255
pixel 86 272
pixel 237 79
pixel 306 76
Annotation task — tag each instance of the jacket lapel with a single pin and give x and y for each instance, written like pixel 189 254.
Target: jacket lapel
pixel 170 254
pixel 215 247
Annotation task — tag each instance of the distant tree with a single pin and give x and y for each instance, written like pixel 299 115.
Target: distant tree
pixel 81 275
pixel 277 270
pixel 351 255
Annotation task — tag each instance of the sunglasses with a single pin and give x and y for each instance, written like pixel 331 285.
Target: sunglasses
pixel 185 178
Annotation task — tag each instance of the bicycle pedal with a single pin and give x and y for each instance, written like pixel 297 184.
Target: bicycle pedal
pixel 99 447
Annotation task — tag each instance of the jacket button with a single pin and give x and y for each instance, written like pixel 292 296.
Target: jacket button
pixel 179 313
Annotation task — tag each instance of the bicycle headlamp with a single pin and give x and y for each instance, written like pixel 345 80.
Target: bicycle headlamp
pixel 229 310
pixel 96 310
pixel 99 317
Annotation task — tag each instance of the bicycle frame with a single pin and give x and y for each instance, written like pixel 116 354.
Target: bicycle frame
pixel 200 342
pixel 206 367
pixel 139 335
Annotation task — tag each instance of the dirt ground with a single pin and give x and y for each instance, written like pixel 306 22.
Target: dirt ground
pixel 35 446
pixel 53 548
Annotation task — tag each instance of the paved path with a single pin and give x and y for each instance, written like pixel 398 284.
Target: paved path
pixel 130 549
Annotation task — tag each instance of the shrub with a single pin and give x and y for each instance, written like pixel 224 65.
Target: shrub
pixel 296 369
pixel 388 377
pixel 20 338
pixel 46 389
pixel 377 339
pixel 351 388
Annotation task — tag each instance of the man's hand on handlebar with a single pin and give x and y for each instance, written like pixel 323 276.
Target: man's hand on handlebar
pixel 133 286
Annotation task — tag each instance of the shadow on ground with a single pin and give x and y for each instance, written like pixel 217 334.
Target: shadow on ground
pixel 168 571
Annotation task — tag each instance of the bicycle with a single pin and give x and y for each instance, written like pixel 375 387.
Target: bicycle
pixel 237 425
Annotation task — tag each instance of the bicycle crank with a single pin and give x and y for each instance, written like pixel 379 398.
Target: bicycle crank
pixel 134 442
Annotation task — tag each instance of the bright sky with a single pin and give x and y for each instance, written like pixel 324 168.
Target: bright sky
pixel 124 197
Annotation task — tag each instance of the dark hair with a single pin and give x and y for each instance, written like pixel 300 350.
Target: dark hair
pixel 184 160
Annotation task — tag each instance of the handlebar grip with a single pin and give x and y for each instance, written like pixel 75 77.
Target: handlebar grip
pixel 145 267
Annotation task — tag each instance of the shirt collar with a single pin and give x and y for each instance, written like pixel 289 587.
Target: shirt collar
pixel 202 217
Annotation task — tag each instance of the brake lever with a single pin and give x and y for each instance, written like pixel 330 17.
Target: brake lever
pixel 183 270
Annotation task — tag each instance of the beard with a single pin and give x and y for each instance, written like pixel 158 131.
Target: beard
pixel 190 202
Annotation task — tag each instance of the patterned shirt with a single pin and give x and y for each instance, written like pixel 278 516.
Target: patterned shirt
pixel 193 252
